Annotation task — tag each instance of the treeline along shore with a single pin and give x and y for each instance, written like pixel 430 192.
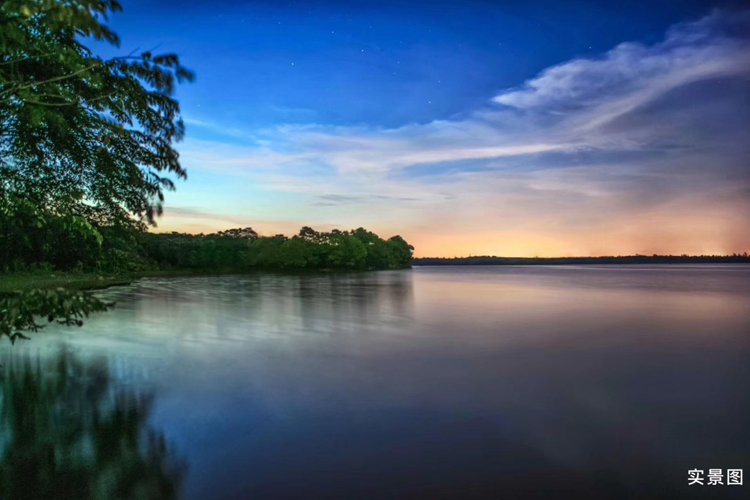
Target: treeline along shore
pixel 552 261
pixel 49 243
pixel 46 259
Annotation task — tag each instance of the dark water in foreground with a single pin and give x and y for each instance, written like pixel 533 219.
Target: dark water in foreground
pixel 481 382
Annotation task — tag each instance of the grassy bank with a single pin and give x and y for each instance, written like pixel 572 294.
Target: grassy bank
pixel 14 282
pixel 74 280
pixel 21 282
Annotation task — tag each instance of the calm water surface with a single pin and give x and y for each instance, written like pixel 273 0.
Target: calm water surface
pixel 450 382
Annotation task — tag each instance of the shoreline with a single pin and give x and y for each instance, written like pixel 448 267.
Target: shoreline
pixel 562 261
pixel 18 282
pixel 15 282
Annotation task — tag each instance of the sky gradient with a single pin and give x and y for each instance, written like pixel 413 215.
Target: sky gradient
pixel 469 128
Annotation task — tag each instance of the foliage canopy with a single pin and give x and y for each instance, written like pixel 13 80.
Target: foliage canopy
pixel 22 311
pixel 79 134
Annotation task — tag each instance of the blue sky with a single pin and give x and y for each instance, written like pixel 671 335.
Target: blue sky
pixel 513 128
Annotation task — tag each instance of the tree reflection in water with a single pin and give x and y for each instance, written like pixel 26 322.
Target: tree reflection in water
pixel 68 432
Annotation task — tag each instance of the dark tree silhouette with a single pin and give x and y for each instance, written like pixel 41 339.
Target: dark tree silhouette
pixel 23 311
pixel 245 232
pixel 357 250
pixel 85 142
pixel 74 126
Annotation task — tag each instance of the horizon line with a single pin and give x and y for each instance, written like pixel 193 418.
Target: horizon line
pixel 683 256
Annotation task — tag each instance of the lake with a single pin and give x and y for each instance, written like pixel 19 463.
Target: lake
pixel 430 383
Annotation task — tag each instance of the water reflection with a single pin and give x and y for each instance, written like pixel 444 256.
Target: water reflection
pixel 69 432
pixel 240 309
pixel 438 383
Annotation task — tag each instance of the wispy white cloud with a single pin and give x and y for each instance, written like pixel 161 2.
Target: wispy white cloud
pixel 636 73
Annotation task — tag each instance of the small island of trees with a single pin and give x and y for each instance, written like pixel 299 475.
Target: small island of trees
pixel 33 239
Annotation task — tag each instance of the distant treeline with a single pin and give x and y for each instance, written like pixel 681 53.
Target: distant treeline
pixel 243 248
pixel 34 238
pixel 550 261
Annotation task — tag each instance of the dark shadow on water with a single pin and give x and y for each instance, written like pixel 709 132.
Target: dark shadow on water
pixel 67 431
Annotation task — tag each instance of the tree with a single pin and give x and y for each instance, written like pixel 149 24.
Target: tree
pixel 245 232
pixel 28 235
pixel 346 251
pixel 379 255
pixel 22 311
pixel 311 235
pixel 21 231
pixel 296 253
pixel 80 134
pixel 401 252
pixel 266 252
pixel 83 141
pixel 365 236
